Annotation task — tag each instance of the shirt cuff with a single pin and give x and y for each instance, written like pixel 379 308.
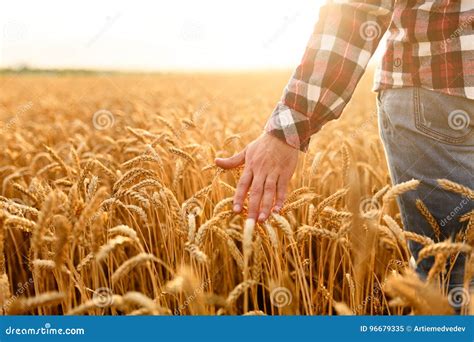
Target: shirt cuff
pixel 290 126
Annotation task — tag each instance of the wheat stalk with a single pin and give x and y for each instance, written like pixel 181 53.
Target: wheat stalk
pixel 444 247
pixel 106 249
pixel 399 189
pixel 130 264
pixel 22 305
pixel 456 188
pixel 429 217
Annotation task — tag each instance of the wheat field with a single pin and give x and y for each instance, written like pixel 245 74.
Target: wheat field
pixel 111 204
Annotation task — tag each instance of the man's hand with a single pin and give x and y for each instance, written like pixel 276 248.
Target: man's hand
pixel 269 165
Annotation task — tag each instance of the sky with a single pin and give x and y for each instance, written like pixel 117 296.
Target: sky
pixel 156 35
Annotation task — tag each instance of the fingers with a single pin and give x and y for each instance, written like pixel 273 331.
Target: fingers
pixel 255 196
pixel 265 190
pixel 269 191
pixel 231 162
pixel 282 187
pixel 242 189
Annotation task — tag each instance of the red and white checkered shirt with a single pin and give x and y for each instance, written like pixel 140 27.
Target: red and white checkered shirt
pixel 430 45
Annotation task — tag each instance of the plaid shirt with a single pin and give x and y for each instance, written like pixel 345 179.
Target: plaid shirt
pixel 430 45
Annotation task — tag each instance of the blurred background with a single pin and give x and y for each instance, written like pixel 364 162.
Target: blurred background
pixel 197 79
pixel 143 35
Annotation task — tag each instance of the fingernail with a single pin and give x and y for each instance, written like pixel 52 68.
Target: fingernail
pixel 276 209
pixel 236 208
pixel 261 217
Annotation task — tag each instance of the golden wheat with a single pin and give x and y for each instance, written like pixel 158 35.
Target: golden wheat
pixel 139 211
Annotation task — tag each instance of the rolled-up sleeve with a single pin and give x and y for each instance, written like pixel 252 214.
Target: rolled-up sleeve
pixel 344 39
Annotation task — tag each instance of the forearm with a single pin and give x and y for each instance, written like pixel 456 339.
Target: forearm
pixel 345 37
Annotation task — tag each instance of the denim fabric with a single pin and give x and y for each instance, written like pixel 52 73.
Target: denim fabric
pixel 429 135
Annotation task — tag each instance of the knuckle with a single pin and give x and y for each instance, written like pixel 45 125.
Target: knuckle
pixel 269 186
pixel 272 179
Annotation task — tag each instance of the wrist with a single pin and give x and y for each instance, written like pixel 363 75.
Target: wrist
pixel 282 142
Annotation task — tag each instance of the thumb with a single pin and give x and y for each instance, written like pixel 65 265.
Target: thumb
pixel 231 162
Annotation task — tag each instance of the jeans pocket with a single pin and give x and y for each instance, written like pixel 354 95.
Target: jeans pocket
pixel 444 118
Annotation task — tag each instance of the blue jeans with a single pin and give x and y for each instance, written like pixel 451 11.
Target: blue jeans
pixel 427 136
